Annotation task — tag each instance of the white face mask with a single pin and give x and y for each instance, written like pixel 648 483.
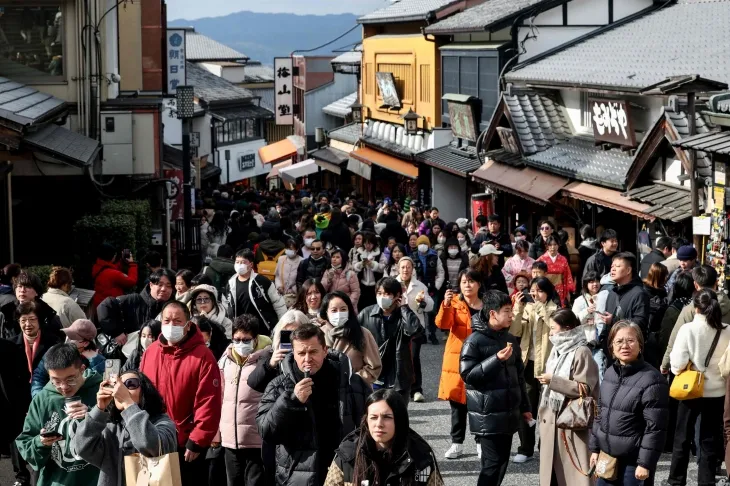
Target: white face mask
pixel 338 319
pixel 461 240
pixel 291 253
pixel 308 242
pixel 453 252
pixel 384 302
pixel 241 268
pixel 442 239
pixel 146 343
pixel 336 267
pixel 519 238
pixel 423 248
pixel 173 334
pixel 243 349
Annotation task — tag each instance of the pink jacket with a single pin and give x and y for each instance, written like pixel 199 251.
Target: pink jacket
pixel 286 273
pixel 345 281
pixel 238 428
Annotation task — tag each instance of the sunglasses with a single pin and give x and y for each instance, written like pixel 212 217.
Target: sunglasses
pixel 132 383
pixel 545 227
pixel 202 300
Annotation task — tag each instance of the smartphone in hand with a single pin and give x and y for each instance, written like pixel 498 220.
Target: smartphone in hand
pixel 285 340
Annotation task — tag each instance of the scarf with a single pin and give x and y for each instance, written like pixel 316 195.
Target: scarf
pixel 31 348
pixel 560 362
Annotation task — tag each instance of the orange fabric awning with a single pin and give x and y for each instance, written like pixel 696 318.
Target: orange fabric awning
pixel 393 164
pixel 275 169
pixel 277 152
pixel 526 182
pixel 607 198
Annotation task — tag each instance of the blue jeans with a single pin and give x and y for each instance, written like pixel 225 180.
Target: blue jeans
pixel 626 477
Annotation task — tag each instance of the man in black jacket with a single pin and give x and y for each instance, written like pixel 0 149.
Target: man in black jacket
pixel 494 236
pixel 662 251
pixel 496 397
pixel 315 265
pixel 601 261
pixel 309 408
pixel 393 326
pixel 632 300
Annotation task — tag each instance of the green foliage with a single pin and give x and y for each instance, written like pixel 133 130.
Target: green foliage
pixel 142 213
pixel 43 272
pixel 90 232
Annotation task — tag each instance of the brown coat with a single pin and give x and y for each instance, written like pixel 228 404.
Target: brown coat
pixel 365 363
pixel 584 370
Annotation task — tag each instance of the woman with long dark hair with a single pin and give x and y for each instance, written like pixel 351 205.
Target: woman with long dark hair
pixel 149 333
pixel 340 276
pixel 391 267
pixel 309 299
pixel 214 235
pixel 488 266
pixel 129 418
pixel 684 288
pixel 348 337
pixel 384 449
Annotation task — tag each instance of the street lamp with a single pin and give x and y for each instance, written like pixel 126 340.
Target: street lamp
pixel 411 122
pixel 185 110
pixel 356 112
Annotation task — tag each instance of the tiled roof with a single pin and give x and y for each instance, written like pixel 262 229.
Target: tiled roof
pixel 644 51
pixel 668 201
pixel 680 123
pixel 268 99
pixel 347 134
pixel 715 142
pixel 405 11
pixel 199 47
pixel 581 159
pixel 25 105
pixel 211 88
pixel 341 107
pixel 245 111
pixel 60 142
pixel 538 119
pixel 483 16
pixel 449 158
pixel 255 72
pixel 331 155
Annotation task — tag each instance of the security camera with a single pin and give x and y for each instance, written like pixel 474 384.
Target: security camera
pixel 115 78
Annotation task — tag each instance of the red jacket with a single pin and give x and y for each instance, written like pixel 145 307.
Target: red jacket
pixel 188 378
pixel 110 282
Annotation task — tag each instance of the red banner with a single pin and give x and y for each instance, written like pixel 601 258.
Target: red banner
pixel 176 175
pixel 481 204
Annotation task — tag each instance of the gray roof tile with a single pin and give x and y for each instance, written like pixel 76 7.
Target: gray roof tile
pixel 538 119
pixel 245 111
pixel 404 11
pixel 349 133
pixel 341 108
pixel 668 201
pixel 644 51
pixel 581 159
pixel 267 97
pixel 255 72
pixel 482 17
pixel 25 105
pixel 65 144
pixel 681 124
pixel 200 48
pixel 451 159
pixel 211 88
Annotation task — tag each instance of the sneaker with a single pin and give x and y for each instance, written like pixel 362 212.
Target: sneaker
pixel 521 458
pixel 434 340
pixel 479 451
pixel 418 397
pixel 454 451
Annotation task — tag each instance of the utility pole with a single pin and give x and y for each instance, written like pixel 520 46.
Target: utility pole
pixel 185 110
pixel 694 197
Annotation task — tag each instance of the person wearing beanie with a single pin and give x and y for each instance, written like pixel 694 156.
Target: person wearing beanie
pixel 687 256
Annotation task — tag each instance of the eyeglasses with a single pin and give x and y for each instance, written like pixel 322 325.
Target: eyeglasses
pixel 202 300
pixel 71 382
pixel 620 342
pixel 28 320
pixel 244 341
pixel 132 383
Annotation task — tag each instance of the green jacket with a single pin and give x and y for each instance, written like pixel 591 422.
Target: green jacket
pixel 58 465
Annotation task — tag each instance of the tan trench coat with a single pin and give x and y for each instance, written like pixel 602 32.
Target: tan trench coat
pixel 528 319
pixel 584 370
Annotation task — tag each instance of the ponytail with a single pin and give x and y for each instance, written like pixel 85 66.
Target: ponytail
pixel 705 301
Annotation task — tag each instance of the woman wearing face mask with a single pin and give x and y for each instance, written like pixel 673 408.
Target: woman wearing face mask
pixel 129 418
pixel 384 450
pixel 341 277
pixel 183 284
pixel 349 338
pixel 531 324
pixel 238 432
pixel 434 238
pixel 148 335
pixel 204 303
pixel 213 335
pixel 310 298
pixel 391 267
pixel 286 272
pixel 462 236
pixel 558 270
pixel 454 262
pixel 570 372
pixel 367 265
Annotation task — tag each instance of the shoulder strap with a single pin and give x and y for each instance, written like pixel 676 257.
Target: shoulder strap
pixel 712 348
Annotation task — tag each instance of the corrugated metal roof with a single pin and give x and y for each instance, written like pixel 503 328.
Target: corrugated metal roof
pixel 211 88
pixel 350 133
pixel 643 52
pixel 483 16
pixel 450 158
pixel 268 100
pixel 405 11
pixel 341 108
pixel 25 105
pixel 246 111
pixel 64 144
pixel 668 201
pixel 710 142
pixel 199 47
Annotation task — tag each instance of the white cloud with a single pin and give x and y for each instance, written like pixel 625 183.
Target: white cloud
pixel 194 9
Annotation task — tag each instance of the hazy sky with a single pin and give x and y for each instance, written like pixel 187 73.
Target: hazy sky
pixel 194 9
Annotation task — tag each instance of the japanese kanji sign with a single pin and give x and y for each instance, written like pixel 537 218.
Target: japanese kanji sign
pixel 611 122
pixel 388 90
pixel 461 116
pixel 175 60
pixel 283 80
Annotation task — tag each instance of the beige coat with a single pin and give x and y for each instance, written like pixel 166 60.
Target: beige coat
pixel 365 363
pixel 66 308
pixel 535 319
pixel 584 370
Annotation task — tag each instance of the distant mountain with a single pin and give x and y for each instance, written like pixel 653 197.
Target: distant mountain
pixel 263 36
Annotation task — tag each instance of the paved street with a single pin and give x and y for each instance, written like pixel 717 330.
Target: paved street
pixel 432 420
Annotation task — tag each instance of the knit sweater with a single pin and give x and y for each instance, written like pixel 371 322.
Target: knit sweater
pixel 693 343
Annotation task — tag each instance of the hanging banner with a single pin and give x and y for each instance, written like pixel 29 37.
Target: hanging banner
pixel 283 86
pixel 176 193
pixel 481 204
pixel 176 75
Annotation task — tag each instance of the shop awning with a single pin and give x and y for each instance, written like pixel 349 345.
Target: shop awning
pixel 295 171
pixel 276 152
pixel 276 168
pixel 607 198
pixel 370 157
pixel 64 144
pixel 668 201
pixel 526 182
pixel 327 166
pixel 360 168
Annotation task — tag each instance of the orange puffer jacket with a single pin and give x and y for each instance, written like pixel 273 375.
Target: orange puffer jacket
pixel 457 320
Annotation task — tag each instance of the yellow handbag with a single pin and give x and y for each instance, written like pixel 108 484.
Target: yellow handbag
pixel 689 384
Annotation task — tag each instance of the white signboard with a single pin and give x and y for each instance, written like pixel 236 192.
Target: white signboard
pixel 283 80
pixel 701 225
pixel 175 60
